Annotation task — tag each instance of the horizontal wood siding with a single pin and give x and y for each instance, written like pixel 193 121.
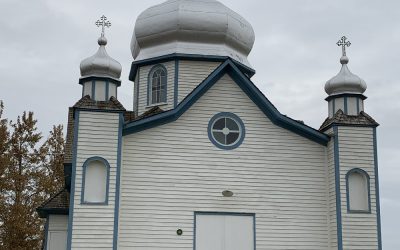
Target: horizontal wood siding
pixel 58 222
pixel 172 170
pixel 356 151
pixel 191 74
pixel 143 86
pixel 93 224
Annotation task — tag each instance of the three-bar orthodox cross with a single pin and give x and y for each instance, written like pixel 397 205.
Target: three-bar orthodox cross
pixel 103 23
pixel 342 42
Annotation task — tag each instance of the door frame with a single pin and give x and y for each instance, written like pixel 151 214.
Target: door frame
pixel 224 213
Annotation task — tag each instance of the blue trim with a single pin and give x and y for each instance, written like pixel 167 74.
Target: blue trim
pixel 149 93
pixel 333 107
pixel 137 93
pixel 345 105
pixel 224 213
pixel 337 189
pixel 363 97
pixel 358 105
pixel 377 197
pixel 364 173
pixel 93 90
pixel 241 135
pixel 98 78
pixel 107 90
pixel 118 182
pixel 84 167
pixel 72 193
pixel 83 89
pixel 189 57
pixel 46 233
pixel 248 87
pixel 176 83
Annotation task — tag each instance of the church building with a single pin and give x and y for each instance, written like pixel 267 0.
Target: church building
pixel 204 160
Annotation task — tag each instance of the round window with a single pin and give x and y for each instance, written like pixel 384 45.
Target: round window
pixel 226 130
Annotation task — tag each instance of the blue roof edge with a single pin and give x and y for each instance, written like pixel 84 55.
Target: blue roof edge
pixel 248 87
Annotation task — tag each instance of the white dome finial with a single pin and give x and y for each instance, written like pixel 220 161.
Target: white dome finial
pixel 204 27
pixel 345 82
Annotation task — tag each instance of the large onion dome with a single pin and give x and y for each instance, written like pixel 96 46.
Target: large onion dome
pixel 101 64
pixel 204 27
pixel 345 82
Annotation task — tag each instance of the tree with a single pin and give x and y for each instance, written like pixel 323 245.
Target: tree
pixel 27 176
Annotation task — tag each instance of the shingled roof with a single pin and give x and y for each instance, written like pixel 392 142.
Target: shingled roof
pixel 340 118
pixel 57 204
pixel 87 103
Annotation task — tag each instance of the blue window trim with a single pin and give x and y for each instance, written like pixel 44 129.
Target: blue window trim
pixel 358 105
pixel 149 93
pixel 83 80
pixel 72 193
pixel 365 174
pixel 228 67
pixel 93 97
pixel 333 107
pixel 107 90
pixel 377 195
pixel 118 183
pixel 84 167
pixel 224 213
pixel 234 117
pixel 345 105
pixel 176 83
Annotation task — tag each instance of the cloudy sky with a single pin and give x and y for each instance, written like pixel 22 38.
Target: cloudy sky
pixel 43 42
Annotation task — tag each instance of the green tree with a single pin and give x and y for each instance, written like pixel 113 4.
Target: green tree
pixel 29 174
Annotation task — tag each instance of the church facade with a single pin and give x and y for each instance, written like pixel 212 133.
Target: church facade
pixel 204 160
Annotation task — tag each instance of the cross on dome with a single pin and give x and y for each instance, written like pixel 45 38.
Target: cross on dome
pixel 103 22
pixel 342 42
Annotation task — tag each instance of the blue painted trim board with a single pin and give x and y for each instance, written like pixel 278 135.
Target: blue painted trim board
pixel 235 118
pixel 345 105
pixel 99 78
pixel 358 105
pixel 189 57
pixel 377 196
pixel 85 165
pixel 107 90
pixel 176 83
pixel 93 97
pixel 46 233
pixel 228 67
pixel 333 107
pixel 72 193
pixel 366 175
pixel 137 86
pixel 224 213
pixel 118 183
pixel 337 189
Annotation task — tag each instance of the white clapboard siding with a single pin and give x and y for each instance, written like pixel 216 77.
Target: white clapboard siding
pixel 57 232
pixel 93 224
pixel 143 86
pixel 356 150
pixel 191 74
pixel 172 170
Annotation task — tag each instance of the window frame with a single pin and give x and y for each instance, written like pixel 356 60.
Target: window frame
pixel 150 85
pixel 367 178
pixel 84 168
pixel 239 122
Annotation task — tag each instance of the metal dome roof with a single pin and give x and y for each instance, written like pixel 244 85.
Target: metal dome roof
pixel 204 27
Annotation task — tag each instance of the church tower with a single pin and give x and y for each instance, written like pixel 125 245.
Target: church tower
pixel 96 121
pixel 354 216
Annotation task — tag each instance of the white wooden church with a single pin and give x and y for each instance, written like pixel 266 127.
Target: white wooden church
pixel 204 161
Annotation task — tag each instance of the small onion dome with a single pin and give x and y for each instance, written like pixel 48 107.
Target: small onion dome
pixel 204 27
pixel 101 64
pixel 345 82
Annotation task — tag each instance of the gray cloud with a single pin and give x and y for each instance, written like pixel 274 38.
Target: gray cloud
pixel 43 43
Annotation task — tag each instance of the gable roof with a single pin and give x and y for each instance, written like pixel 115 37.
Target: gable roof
pixel 228 67
pixel 340 118
pixel 57 204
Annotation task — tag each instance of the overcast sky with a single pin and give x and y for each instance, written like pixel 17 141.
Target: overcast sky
pixel 43 42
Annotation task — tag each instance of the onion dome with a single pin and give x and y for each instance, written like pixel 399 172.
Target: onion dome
pixel 101 64
pixel 345 82
pixel 204 27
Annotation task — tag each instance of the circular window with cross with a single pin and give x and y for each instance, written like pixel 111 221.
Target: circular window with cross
pixel 226 130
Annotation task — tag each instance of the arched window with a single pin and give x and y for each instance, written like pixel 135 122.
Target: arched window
pixel 358 194
pixel 157 85
pixel 95 181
